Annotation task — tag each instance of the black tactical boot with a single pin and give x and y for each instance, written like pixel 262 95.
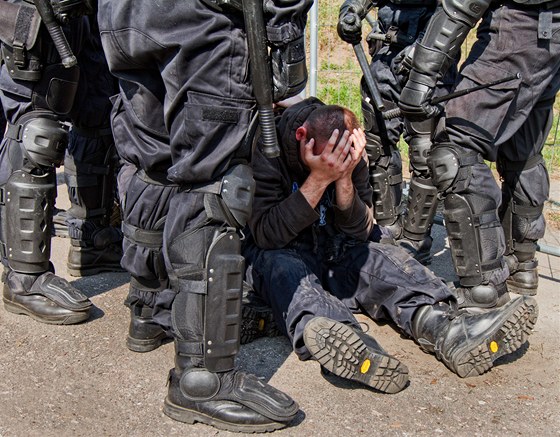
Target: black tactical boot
pixel 469 344
pixel 257 320
pixel 144 335
pixel 482 296
pixel 46 298
pixel 354 355
pixel 232 400
pixel 523 276
pixel 101 253
pixel 60 227
pixel 420 250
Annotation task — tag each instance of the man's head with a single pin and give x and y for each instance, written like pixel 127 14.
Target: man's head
pixel 323 121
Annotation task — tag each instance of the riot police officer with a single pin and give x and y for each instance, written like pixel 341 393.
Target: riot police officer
pixel 39 81
pixel 507 123
pixel 184 108
pixel 391 44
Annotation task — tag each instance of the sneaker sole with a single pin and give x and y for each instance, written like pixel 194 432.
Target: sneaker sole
pixel 191 417
pixel 341 351
pixel 256 323
pixel 70 319
pixel 508 337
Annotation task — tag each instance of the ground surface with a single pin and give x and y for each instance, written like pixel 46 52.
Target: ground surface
pixel 82 380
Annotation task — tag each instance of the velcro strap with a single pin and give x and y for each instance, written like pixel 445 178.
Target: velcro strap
pixel 14 132
pixel 395 179
pixel 85 168
pixel 469 159
pixel 527 211
pixel 144 237
pixel 486 219
pixel 517 166
pixel 191 349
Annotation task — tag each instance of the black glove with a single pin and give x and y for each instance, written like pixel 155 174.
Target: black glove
pixel 289 71
pixel 66 10
pixel 402 63
pixel 350 17
pixel 415 99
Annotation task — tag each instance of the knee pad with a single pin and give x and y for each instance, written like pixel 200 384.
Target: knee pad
pixel 419 139
pixel 230 200
pixel 28 202
pixel 450 167
pixel 42 138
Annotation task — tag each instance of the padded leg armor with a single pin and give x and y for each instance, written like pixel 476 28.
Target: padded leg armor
pixel 469 344
pixel 422 199
pixel 385 169
pixel 27 204
pixel 207 274
pixel 523 222
pixel 477 265
pixel 89 172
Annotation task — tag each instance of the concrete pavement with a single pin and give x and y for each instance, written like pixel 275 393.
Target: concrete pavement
pixel 82 380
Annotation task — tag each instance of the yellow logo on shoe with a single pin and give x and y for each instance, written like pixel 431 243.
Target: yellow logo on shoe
pixel 493 347
pixel 365 366
pixel 261 325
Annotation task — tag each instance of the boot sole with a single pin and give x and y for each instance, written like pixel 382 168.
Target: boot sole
pixel 70 319
pixel 191 417
pixel 78 271
pixel 507 337
pixel 341 351
pixel 141 346
pixel 256 324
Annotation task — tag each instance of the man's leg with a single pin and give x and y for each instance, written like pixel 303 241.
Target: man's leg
pixel 319 325
pixel 388 284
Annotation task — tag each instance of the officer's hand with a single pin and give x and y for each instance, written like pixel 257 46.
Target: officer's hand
pixel 349 26
pixel 289 71
pixel 402 63
pixel 415 101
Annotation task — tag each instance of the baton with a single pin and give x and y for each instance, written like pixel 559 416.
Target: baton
pixel 396 112
pixel 261 74
pixel 370 82
pixel 61 44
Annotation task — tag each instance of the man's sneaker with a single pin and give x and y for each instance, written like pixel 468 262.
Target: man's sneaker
pixel 353 355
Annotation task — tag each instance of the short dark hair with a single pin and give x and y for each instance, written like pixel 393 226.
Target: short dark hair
pixel 323 120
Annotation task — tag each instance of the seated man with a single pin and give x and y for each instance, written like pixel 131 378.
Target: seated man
pixel 311 257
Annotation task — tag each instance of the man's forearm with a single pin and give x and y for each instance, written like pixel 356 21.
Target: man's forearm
pixel 344 193
pixel 313 189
